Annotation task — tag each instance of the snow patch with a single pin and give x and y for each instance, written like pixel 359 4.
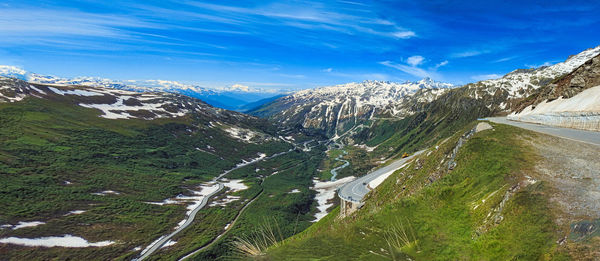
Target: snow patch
pixel 55 241
pixel 581 111
pixel 377 181
pixel 234 185
pixel 75 212
pixel 365 147
pixel 106 192
pixel 224 201
pixel 108 109
pixel 168 243
pixel 326 192
pixel 75 92
pixel 24 224
pixel 242 134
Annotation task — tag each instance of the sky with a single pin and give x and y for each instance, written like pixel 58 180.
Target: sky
pixel 291 45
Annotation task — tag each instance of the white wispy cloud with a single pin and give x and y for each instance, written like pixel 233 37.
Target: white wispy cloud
pixel 412 65
pixel 404 34
pixel 47 22
pixel 470 53
pixel 294 76
pixel 482 77
pixel 415 60
pixel 308 16
pixel 504 59
pixel 415 71
pixel 240 87
pixel 443 63
pixel 327 70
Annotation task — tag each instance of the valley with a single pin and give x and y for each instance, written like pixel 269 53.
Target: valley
pixel 496 169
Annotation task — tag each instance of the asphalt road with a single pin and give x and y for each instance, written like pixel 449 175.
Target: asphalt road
pixel 192 215
pixel 590 137
pixel 224 232
pixel 188 222
pixel 357 189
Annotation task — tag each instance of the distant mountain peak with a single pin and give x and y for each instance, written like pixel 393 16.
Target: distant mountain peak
pixel 337 108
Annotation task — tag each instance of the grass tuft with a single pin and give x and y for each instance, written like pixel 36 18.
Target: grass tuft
pixel 256 243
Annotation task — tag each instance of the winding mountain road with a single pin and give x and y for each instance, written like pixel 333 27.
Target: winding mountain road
pixel 189 219
pixel 590 137
pixel 158 244
pixel 355 190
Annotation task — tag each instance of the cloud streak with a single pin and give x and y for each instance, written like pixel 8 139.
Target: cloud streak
pixel 414 71
pixel 412 64
pixel 415 60
pixel 483 77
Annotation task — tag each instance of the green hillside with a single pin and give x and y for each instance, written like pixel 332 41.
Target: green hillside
pixel 484 209
pixel 55 155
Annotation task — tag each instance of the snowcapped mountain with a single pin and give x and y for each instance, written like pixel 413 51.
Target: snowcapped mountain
pixel 234 98
pixel 339 108
pixel 573 101
pixel 521 83
pixel 134 85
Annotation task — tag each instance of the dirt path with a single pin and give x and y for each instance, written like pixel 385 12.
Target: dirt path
pixel 572 170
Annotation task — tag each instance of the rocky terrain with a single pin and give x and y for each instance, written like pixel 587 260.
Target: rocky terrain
pixel 336 109
pixel 570 101
pixel 583 77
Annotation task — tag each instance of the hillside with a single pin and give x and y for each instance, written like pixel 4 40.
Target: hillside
pixel 80 163
pixel 503 199
pixel 570 101
pixel 345 108
pixel 502 193
pixel 230 98
pixel 336 109
pixel 456 107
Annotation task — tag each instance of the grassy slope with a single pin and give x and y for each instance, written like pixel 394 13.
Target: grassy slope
pixel 44 143
pixel 440 218
pixel 431 123
pixel 274 204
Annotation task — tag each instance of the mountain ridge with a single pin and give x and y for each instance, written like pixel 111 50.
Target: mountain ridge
pixel 337 109
pixel 340 107
pixel 231 98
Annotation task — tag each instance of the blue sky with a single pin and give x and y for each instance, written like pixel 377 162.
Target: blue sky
pixel 288 45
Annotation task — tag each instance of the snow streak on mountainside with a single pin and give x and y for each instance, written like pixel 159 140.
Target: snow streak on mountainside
pixel 113 103
pixel 133 85
pixel 572 101
pixel 121 104
pixel 579 112
pixel 503 94
pixel 336 109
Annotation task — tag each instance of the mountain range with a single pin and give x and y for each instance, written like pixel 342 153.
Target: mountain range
pixel 339 108
pixel 238 98
pixel 86 157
